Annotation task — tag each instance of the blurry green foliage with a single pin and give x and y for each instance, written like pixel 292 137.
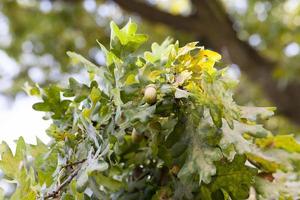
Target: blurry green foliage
pixel 272 27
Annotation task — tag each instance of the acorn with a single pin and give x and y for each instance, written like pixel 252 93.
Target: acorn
pixel 136 136
pixel 150 94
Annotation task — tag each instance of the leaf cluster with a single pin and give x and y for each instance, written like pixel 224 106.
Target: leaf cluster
pixel 185 139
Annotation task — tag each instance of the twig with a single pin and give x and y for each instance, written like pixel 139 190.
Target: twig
pixel 67 181
pixel 74 163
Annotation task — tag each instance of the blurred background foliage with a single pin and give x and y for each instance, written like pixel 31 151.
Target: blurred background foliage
pixel 273 28
pixel 35 36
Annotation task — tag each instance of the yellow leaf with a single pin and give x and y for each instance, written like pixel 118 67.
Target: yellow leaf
pixel 193 87
pixel 211 55
pixel 267 165
pixel 207 61
pixel 95 95
pixel 86 113
pixel 154 75
pixel 130 80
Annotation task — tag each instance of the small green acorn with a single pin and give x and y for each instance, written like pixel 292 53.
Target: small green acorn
pixel 136 136
pixel 150 94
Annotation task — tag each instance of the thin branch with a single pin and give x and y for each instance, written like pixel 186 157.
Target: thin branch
pixel 67 181
pixel 74 163
pixel 61 186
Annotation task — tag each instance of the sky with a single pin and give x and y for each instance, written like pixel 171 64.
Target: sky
pixel 17 118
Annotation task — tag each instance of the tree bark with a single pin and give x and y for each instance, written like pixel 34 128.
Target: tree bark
pixel 211 21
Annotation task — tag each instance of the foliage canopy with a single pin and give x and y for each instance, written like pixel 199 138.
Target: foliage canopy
pixel 155 125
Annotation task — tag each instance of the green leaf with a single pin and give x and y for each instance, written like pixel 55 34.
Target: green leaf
pixel 24 190
pixel 141 113
pixel 110 57
pixel 236 137
pixel 77 90
pixel 52 102
pixel 74 194
pixel 201 158
pixel 160 52
pixel 216 115
pixel 82 182
pixel 77 59
pixel 205 193
pixel 95 165
pixel 95 95
pixel 126 37
pixel 200 162
pixel 252 113
pixel 44 162
pixel 11 164
pixel 234 177
pixel 108 182
pixel 41 107
pixel 105 76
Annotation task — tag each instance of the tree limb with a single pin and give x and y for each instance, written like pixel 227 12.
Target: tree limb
pixel 155 15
